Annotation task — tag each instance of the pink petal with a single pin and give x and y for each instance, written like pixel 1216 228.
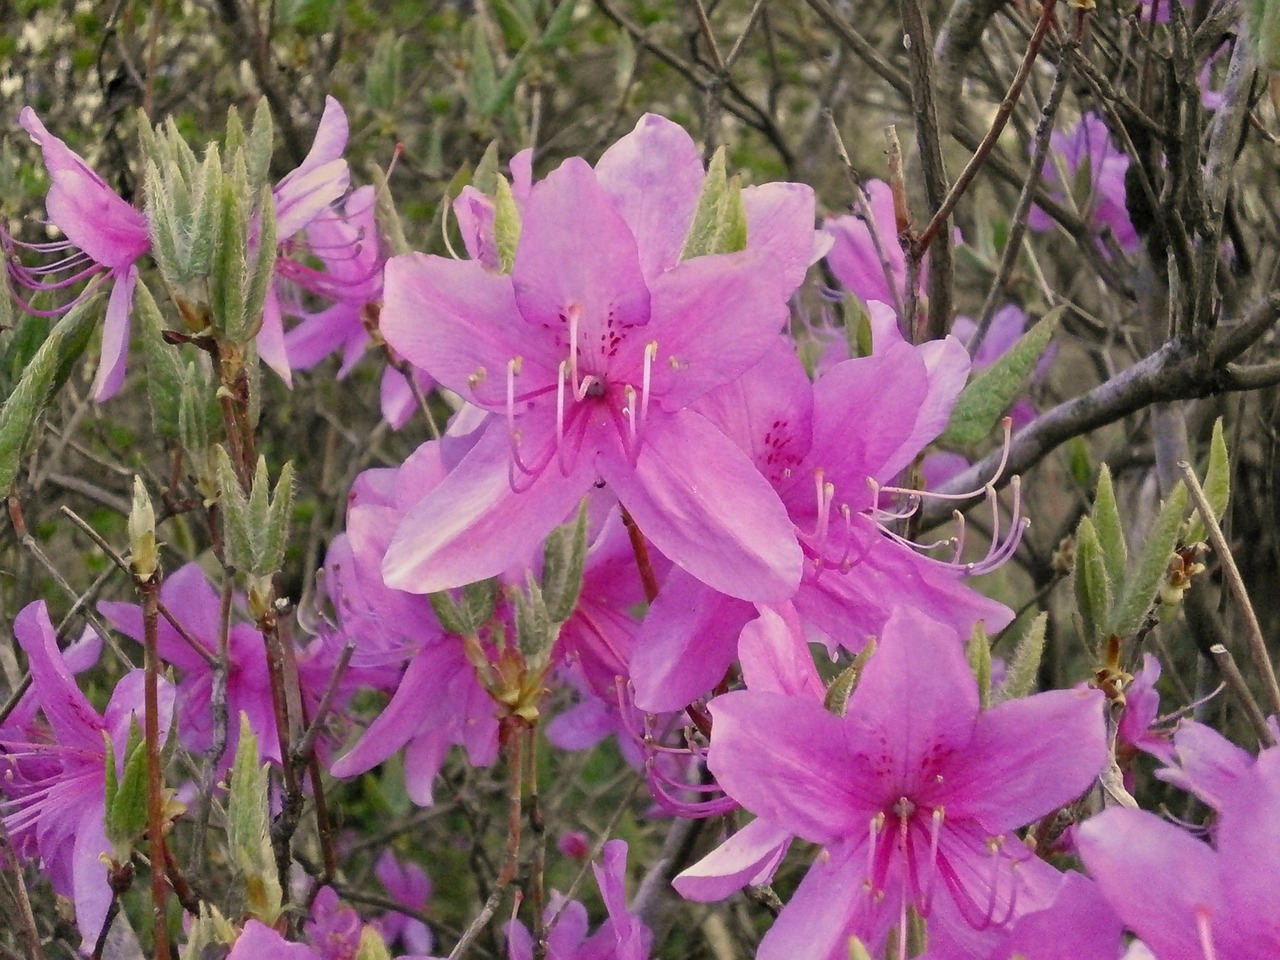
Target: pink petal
pixel 576 253
pixel 260 942
pixel 750 856
pixel 827 908
pixel 90 891
pixel 1029 757
pixel 654 176
pixel 115 338
pixel 713 318
pixel 460 323
pixel 687 642
pixel 270 337
pixel 702 503
pixel 1154 875
pixel 776 659
pixel 74 721
pixel 780 225
pixel 788 760
pixel 83 207
pixel 473 526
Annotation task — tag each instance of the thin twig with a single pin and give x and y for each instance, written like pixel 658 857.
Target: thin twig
pixel 1235 680
pixel 1253 630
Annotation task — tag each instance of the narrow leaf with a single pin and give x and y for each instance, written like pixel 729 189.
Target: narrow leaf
pixel 1141 589
pixel 1217 483
pixel 563 560
pixel 988 395
pixel 1020 679
pixel 707 217
pixel 258 152
pixel 506 225
pixel 264 264
pixel 1094 591
pixel 1106 519
pixel 979 654
pixel 164 365
pixel 278 518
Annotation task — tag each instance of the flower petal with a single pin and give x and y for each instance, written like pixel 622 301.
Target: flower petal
pixel 748 857
pixel 474 526
pixel 654 176
pixel 115 337
pixel 74 721
pixel 828 907
pixel 1028 757
pixel 787 760
pixel 702 503
pixel 459 322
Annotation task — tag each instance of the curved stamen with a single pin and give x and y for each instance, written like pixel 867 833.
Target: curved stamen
pixel 572 314
pixel 650 355
pixel 561 374
pixel 630 410
pixel 1205 934
pixel 876 826
pixel 935 832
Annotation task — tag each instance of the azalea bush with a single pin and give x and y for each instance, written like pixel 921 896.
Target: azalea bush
pixel 592 480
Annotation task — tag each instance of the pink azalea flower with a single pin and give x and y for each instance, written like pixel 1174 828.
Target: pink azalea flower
pixel 259 942
pixel 407 884
pixel 622 937
pixel 1087 147
pixel 906 812
pixel 858 257
pixel 54 774
pixel 1205 763
pixel 589 356
pixel 819 458
pixel 111 236
pixel 189 595
pixel 1186 899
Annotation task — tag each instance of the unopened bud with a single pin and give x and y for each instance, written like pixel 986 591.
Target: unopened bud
pixel 143 550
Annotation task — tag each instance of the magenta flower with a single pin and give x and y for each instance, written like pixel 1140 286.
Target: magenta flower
pixel 259 942
pixel 589 356
pixel 54 774
pixel 1087 147
pixel 110 236
pixel 906 811
pixel 622 937
pixel 1186 899
pixel 864 246
pixel 189 595
pixel 407 884
pixel 820 459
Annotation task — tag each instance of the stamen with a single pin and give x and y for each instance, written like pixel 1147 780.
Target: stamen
pixel 1205 934
pixel 935 832
pixel 630 411
pixel 573 314
pixel 826 493
pixel 877 825
pixel 560 381
pixel 650 355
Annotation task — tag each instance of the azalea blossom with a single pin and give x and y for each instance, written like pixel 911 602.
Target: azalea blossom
pixel 105 235
pixel 53 787
pixel 588 357
pixel 1188 900
pixel 905 812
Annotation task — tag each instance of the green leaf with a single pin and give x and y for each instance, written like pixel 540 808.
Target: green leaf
pixel 264 264
pixel 383 84
pixel 450 613
pixel 126 812
pixel 479 600
pixel 202 243
pixel 160 216
pixel 979 654
pixel 1217 484
pixel 257 155
pixel 277 526
pixel 484 73
pixel 720 220
pixel 236 516
pixel 164 366
pixel 837 696
pixel 1263 19
pixel 1106 520
pixel 563 560
pixel 506 225
pixel 1142 588
pixel 228 281
pixel 390 227
pixel 558 25
pixel 988 395
pixel 535 633
pixel 247 829
pixel 42 378
pixel 485 177
pixel 1094 592
pixel 1020 679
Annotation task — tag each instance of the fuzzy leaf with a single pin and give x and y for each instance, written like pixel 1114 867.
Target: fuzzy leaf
pixel 535 633
pixel 277 523
pixel 383 83
pixel 720 220
pixel 485 177
pixel 229 279
pixel 484 73
pixel 1142 587
pixel 236 516
pixel 1025 665
pixel 264 264
pixel 506 225
pixel 1106 520
pixel 390 229
pixel 126 811
pixel 257 156
pixel 164 365
pixel 1094 592
pixel 247 829
pixel 160 216
pixel 984 401
pixel 1217 483
pixel 979 654
pixel 563 560
pixel 478 602
pixel 837 696
pixel 450 613
pixel 43 376
pixel 202 244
